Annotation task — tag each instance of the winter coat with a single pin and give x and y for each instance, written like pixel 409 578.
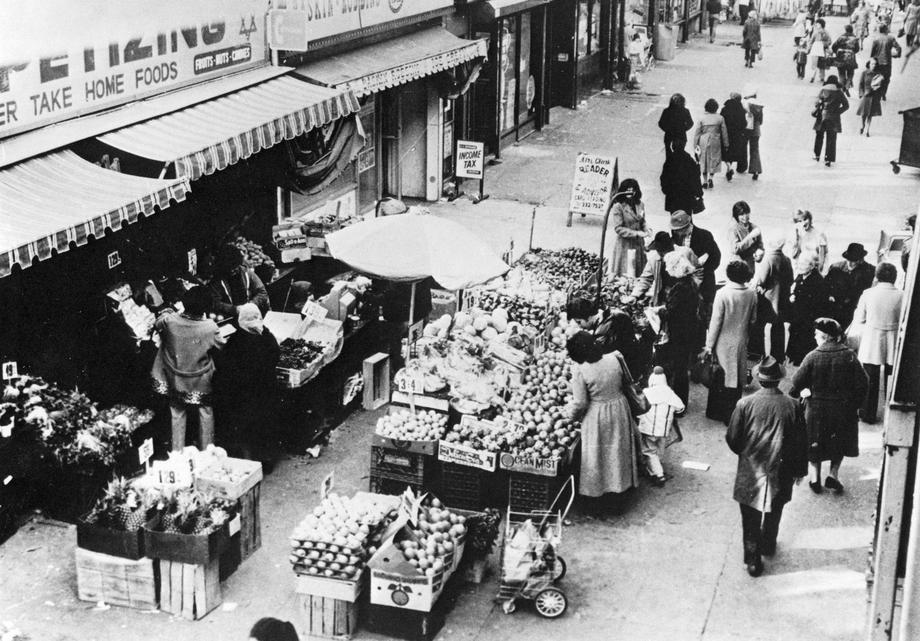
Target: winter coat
pixel 832 102
pixel 659 419
pixel 631 229
pixel 734 314
pixel 750 34
pixel 879 311
pixel 870 97
pixel 680 182
pixel 654 281
pixel 246 378
pixel 711 137
pixel 911 15
pixel 882 48
pixel 714 7
pixel 845 48
pixel 811 302
pixel 774 276
pixel 183 368
pixel 675 122
pixel 742 246
pixel 846 286
pixel 681 311
pixel 700 241
pixel 735 123
pixel 838 386
pixel 238 289
pixel 760 426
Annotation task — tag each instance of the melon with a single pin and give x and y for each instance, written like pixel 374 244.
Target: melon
pixel 480 323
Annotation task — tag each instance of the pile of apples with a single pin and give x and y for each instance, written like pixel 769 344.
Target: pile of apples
pixel 562 268
pixel 518 309
pixel 403 425
pixel 335 540
pixel 431 543
pixel 478 437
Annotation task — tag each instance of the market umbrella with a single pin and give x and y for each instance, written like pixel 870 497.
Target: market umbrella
pixel 410 247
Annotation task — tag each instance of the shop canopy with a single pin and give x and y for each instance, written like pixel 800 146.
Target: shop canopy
pixel 410 247
pixel 211 136
pixel 499 8
pixel 394 62
pixel 51 201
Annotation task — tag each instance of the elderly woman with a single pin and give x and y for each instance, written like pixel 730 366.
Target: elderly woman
pixel 632 232
pixel 734 314
pixel 710 139
pixel 735 123
pixel 679 316
pixel 245 386
pixel 833 384
pixel 877 315
pixel 608 430
pixel 744 237
pixel 809 301
pixel 612 329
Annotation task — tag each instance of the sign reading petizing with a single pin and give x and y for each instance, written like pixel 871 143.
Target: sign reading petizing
pixel 592 186
pixel 470 159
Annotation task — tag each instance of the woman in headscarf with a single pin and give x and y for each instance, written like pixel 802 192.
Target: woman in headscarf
pixel 245 387
pixel 735 124
pixel 754 119
pixel 632 232
pixel 675 122
pixel 750 38
pixel 870 95
pixel 809 301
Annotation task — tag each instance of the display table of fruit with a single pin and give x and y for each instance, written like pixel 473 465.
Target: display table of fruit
pixel 300 360
pixel 256 258
pixel 415 432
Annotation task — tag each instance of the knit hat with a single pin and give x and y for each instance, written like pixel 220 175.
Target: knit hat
pixel 657 377
pixel 249 318
pixel 828 326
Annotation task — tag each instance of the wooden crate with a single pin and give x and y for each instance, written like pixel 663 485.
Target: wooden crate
pixel 323 617
pixel 130 583
pixel 393 487
pixel 189 591
pixel 406 624
pixel 252 471
pixel 376 372
pixel 250 522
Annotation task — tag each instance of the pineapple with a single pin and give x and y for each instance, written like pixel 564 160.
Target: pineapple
pixel 167 505
pixel 116 507
pixel 186 514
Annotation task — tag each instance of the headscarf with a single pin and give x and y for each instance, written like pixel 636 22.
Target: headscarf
pixel 249 318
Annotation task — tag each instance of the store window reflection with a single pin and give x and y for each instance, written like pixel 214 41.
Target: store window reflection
pixel 507 77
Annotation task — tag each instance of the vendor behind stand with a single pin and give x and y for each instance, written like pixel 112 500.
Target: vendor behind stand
pixel 612 329
pixel 234 284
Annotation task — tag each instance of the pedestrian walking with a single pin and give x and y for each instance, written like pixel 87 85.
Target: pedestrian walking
pixel 885 47
pixel 829 105
pixel 750 39
pixel 875 321
pixel 680 322
pixel 713 9
pixel 765 433
pixel 631 230
pixel 833 384
pixel 809 301
pixel 870 95
pixel 753 120
pixel 734 314
pixel 808 239
pixel 816 8
pixel 800 57
pixel 744 7
pixel 744 238
pixel 798 27
pixel 608 442
pixel 845 48
pixel 735 124
pixel 860 21
pixel 708 256
pixel 675 122
pixel 846 281
pixel 911 17
pixel 818 45
pixel 710 139
pixel 680 181
pixel 773 279
pixel 655 425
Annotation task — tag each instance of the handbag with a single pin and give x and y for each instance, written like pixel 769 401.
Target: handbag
pixel 698 205
pixel 638 403
pixel 854 335
pixel 818 110
pixel 705 369
pixel 760 53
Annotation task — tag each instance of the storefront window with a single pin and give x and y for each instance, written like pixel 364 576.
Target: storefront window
pixel 637 12
pixel 507 80
pixel 582 29
pixel 367 159
pixel 677 11
pixel 527 88
pixel 594 41
pixel 589 27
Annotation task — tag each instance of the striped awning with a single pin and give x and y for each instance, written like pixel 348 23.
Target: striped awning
pixel 213 135
pixel 53 201
pixel 394 62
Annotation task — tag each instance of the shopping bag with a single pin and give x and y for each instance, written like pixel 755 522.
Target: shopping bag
pixel 854 335
pixel 705 369
pixel 638 403
pixel 760 54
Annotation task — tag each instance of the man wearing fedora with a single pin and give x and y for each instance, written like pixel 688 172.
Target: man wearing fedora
pixel 772 453
pixel 847 280
pixel 702 243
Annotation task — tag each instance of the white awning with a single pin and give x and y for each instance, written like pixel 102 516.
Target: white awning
pixel 51 201
pixel 500 8
pixel 212 135
pixel 394 62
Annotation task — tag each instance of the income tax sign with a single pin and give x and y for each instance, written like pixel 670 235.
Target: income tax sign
pixel 470 159
pixel 593 184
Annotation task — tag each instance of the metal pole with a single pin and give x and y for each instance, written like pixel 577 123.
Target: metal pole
pixel 910 603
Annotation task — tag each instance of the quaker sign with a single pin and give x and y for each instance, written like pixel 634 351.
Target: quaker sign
pixel 470 159
pixel 593 184
pixel 112 53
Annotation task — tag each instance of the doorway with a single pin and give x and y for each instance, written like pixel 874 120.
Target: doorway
pixel 404 133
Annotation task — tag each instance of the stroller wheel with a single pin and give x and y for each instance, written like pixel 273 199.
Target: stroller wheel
pixel 509 606
pixel 559 569
pixel 551 602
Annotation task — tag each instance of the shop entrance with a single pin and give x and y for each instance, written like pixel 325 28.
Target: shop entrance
pixel 404 133
pixel 563 59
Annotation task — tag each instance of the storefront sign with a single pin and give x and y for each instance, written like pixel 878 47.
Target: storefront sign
pixel 287 30
pixel 325 18
pixel 593 184
pixel 64 58
pixel 470 159
pixel 367 159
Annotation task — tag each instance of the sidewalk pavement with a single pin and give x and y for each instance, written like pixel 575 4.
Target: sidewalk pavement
pixel 669 568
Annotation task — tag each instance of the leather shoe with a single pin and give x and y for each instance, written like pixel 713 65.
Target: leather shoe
pixel 816 488
pixel 833 484
pixel 755 569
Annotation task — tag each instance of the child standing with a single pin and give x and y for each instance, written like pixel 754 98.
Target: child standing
pixel 801 57
pixel 655 425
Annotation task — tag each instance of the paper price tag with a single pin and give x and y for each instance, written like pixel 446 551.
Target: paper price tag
pixel 10 370
pixel 416 330
pixel 539 344
pixel 113 260
pixel 235 525
pixel 411 385
pixel 313 311
pixel 145 451
pixel 193 261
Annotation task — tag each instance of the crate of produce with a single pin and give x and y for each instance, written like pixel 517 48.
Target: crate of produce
pixel 195 549
pixel 130 583
pixel 417 432
pixel 406 624
pixel 229 477
pixel 464 487
pixel 189 590
pixel 401 465
pixel 533 464
pixel 96 538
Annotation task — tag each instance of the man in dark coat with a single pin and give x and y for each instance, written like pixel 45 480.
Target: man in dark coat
pixel 846 281
pixel 773 279
pixel 234 284
pixel 680 180
pixel 771 448
pixel 736 123
pixel 703 245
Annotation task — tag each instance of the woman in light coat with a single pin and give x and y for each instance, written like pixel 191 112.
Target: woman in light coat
pixel 710 139
pixel 628 216
pixel 877 315
pixel 734 314
pixel 818 45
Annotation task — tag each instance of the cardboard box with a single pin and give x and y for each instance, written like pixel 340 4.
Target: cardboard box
pixel 95 538
pixel 195 549
pixel 467 456
pixel 537 465
pixel 396 583
pixel 231 490
pixel 332 588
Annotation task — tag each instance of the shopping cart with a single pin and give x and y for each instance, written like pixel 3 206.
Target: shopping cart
pixel 530 565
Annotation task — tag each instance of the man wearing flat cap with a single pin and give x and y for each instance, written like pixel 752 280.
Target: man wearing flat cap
pixel 771 448
pixel 701 242
pixel 847 280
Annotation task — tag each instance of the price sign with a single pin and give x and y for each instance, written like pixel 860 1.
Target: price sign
pixel 539 344
pixel 470 159
pixel 10 370
pixel 313 311
pixel 411 384
pixel 113 259
pixel 470 298
pixel 235 525
pixel 179 476
pixel 145 451
pixel 326 486
pixel 415 331
pixel 193 261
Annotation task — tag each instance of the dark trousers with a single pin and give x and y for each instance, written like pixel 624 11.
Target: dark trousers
pixel 759 530
pixel 830 151
pixel 721 400
pixel 750 54
pixel 870 405
pixel 743 12
pixel 714 20
pixel 675 359
pixel 800 69
pixel 885 70
pixel 778 341
pixel 845 76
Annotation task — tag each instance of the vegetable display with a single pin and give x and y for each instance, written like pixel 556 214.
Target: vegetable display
pixel 253 255
pixel 429 543
pixel 297 353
